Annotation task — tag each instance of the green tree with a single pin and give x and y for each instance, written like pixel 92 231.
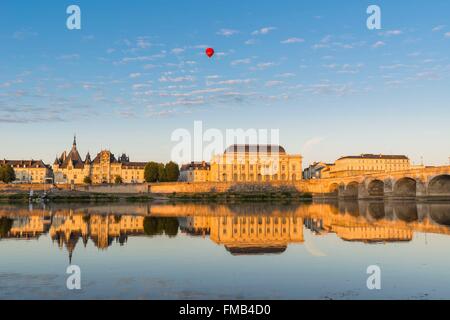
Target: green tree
pixel 162 176
pixel 7 174
pixel 172 171
pixel 159 226
pixel 5 226
pixel 118 180
pixel 171 227
pixel 151 172
pixel 87 180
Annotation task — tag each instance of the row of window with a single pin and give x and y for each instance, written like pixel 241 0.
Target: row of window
pixel 259 178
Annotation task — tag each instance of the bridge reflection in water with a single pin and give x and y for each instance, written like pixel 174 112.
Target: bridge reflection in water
pixel 244 229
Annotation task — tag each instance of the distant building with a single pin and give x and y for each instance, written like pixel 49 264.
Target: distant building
pixel 71 168
pixel 366 164
pixel 256 163
pixel 195 172
pixel 314 171
pixel 29 171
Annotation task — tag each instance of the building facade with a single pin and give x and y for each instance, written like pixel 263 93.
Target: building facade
pixel 314 171
pixel 256 163
pixel 366 164
pixel 70 168
pixel 195 172
pixel 29 171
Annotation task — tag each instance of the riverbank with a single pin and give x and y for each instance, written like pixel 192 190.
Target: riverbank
pixel 72 196
pixel 68 196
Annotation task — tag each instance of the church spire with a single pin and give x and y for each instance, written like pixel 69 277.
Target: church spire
pixel 74 140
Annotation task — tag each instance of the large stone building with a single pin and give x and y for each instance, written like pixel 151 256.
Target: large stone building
pixel 366 164
pixel 29 171
pixel 195 172
pixel 105 168
pixel 256 163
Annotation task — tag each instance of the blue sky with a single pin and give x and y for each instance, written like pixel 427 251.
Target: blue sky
pixel 136 71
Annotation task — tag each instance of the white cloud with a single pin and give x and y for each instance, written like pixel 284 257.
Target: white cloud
pixel 176 79
pixel 240 61
pixel 265 65
pixel 286 75
pixel 235 81
pixel 293 40
pixel 263 31
pixel 438 28
pixel 378 44
pixel 135 75
pixel 393 32
pixel 273 83
pixel 177 50
pixel 227 32
pixel 74 56
pixel 23 34
pixel 447 35
pixel 250 42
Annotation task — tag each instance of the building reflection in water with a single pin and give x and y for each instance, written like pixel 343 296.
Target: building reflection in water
pixel 245 229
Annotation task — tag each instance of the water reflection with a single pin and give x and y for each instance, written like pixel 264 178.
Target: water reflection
pixel 245 229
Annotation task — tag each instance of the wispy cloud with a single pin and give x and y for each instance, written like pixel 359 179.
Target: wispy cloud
pixel 74 56
pixel 263 31
pixel 227 32
pixel 176 79
pixel 241 61
pixel 378 44
pixel 438 28
pixel 177 50
pixel 24 34
pixel 392 33
pixel 273 83
pixel 293 40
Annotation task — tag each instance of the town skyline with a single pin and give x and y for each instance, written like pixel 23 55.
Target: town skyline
pixel 84 151
pixel 314 71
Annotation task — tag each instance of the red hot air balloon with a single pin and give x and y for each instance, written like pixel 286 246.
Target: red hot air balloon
pixel 210 52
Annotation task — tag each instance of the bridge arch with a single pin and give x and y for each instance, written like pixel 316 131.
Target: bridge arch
pixel 376 210
pixel 407 212
pixel 440 213
pixel 351 189
pixel 439 186
pixel 333 189
pixel 405 187
pixel 375 188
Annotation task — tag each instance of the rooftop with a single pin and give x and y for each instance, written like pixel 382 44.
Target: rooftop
pixel 255 148
pixel 376 156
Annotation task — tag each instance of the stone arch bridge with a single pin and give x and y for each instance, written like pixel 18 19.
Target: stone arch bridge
pixel 433 182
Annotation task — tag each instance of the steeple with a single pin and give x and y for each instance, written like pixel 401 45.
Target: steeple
pixel 74 141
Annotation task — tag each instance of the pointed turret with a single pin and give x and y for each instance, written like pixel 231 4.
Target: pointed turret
pixel 88 158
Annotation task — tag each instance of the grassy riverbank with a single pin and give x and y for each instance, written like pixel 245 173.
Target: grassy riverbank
pixel 88 197
pixel 72 197
pixel 242 197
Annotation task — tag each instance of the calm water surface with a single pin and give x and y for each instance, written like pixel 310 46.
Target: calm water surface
pixel 239 251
